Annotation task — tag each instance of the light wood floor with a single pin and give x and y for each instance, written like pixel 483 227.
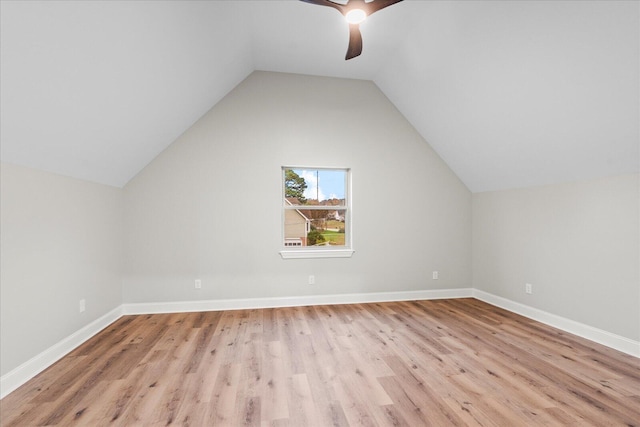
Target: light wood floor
pixel 440 363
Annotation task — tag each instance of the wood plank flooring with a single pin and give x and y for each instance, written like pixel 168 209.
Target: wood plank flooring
pixel 425 363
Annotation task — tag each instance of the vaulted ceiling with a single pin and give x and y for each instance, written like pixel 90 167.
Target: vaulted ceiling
pixel 509 93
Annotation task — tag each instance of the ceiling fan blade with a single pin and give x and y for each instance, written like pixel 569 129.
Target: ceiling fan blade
pixel 355 42
pixel 376 5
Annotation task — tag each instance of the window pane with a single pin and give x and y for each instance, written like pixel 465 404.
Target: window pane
pixel 316 209
pixel 315 187
pixel 314 227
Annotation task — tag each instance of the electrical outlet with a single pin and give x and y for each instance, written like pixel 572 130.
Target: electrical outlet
pixel 198 284
pixel 83 305
pixel 435 275
pixel 528 288
pixel 312 280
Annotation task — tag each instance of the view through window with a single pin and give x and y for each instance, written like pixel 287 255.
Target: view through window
pixel 316 208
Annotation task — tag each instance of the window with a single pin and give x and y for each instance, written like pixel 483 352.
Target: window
pixel 316 213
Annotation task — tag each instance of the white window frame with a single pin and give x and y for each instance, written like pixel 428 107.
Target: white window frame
pixel 305 252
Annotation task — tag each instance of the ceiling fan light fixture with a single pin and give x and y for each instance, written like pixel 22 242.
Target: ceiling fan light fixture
pixel 355 12
pixel 355 16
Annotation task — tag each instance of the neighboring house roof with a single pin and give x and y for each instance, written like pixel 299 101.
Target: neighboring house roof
pixel 292 201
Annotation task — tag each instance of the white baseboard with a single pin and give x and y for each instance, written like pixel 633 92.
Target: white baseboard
pixel 599 336
pixel 23 373
pixel 29 369
pixel 249 303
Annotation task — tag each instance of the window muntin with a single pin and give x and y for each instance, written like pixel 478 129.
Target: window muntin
pixel 316 211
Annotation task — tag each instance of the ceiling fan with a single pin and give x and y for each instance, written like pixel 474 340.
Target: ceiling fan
pixel 355 11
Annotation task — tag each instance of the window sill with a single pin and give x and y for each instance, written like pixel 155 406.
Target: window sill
pixel 319 253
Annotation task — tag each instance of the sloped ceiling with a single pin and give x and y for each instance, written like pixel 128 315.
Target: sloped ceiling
pixel 509 93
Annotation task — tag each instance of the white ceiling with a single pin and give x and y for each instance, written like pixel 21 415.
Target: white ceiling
pixel 509 93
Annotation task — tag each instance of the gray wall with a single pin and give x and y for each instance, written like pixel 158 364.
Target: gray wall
pixel 60 242
pixel 576 243
pixel 209 207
